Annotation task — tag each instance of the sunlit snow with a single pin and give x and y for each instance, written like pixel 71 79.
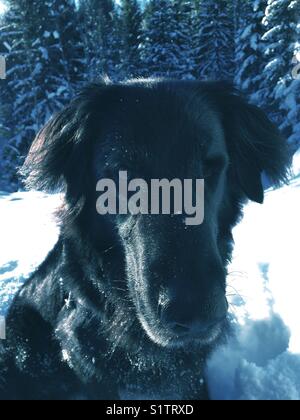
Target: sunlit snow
pixel 2 7
pixel 28 232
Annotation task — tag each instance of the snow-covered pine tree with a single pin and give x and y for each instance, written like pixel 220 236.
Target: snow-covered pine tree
pixel 280 89
pixel 293 91
pixel 250 60
pixel 15 104
pixel 69 41
pixel 216 41
pixel 96 26
pixel 89 25
pixel 3 52
pixel 6 94
pixel 110 39
pixel 161 52
pixel 158 56
pixel 44 70
pixel 196 29
pixel 184 39
pixel 131 20
pixel 58 56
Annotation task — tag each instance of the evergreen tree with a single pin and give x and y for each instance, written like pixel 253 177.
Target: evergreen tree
pixel 131 19
pixel 250 60
pixel 69 42
pixel 89 12
pixel 110 36
pixel 196 29
pixel 58 54
pixel 216 41
pixel 44 70
pixel 17 109
pixel 293 95
pixel 164 52
pixel 102 35
pixel 279 89
pixel 184 39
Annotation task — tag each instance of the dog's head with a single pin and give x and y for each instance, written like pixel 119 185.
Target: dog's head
pixel 175 274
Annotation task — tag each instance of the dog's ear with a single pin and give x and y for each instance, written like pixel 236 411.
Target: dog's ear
pixel 59 158
pixel 255 144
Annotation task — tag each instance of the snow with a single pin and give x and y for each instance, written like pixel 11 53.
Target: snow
pixel 3 7
pixel 7 46
pixel 44 53
pixel 28 232
pixel 262 359
pixel 296 164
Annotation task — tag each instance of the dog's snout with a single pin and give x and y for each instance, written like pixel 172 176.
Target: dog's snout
pixel 194 317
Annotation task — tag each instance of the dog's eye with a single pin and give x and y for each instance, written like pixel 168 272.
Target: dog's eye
pixel 208 171
pixel 212 167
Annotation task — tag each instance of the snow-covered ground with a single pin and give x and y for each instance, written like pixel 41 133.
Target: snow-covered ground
pixel 263 360
pixel 27 233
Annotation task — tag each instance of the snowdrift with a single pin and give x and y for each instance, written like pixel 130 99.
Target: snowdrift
pixel 27 233
pixel 262 360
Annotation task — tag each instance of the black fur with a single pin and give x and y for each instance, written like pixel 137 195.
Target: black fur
pixel 90 321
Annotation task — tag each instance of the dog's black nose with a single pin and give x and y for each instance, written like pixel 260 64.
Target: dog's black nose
pixel 194 319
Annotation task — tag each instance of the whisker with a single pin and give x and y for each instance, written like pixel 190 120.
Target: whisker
pixel 243 274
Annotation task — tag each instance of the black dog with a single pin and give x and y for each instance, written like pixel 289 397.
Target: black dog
pixel 131 305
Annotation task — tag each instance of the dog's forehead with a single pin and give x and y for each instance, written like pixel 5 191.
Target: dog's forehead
pixel 161 125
